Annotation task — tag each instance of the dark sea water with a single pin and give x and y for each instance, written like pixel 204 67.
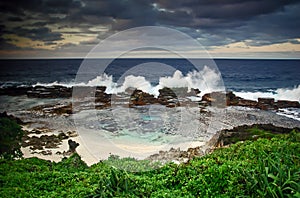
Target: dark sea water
pixel 249 78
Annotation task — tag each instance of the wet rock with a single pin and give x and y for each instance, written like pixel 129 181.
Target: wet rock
pixel 81 92
pixel 101 96
pixel 62 109
pixel 139 98
pixel 247 103
pixel 49 92
pixel 232 99
pixel 287 104
pixel 269 101
pixel 169 98
pixel 14 91
pixel 166 93
pixel 101 89
pixel 54 109
pixel 217 99
pixel 266 103
pixel 195 91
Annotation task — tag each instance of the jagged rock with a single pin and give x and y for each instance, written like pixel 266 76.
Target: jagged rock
pixel 36 147
pixel 232 99
pixel 47 141
pixel 176 155
pixel 58 109
pixel 195 91
pixel 72 134
pixel 287 104
pixel 14 91
pixel 62 136
pixel 139 98
pixel 166 93
pixel 246 132
pixel 217 99
pixel 49 92
pixel 72 145
pixel 101 96
pixel 168 97
pixel 100 89
pixel 269 101
pixel 247 103
pixel 266 103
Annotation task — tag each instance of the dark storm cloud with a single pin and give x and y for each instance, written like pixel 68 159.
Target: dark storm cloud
pixel 119 14
pixel 42 34
pixel 216 12
pixel 43 6
pixel 276 27
pixel 262 22
pixel 128 10
pixel 213 22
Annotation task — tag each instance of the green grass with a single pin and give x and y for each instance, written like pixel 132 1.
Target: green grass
pixel 262 168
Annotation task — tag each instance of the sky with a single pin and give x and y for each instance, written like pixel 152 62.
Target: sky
pixel 226 28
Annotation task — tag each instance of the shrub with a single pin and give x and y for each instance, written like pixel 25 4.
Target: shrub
pixel 10 139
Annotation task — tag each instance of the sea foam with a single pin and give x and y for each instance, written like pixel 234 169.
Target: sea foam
pixel 206 80
pixel 292 94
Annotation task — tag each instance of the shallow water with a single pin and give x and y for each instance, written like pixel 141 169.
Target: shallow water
pixel 141 131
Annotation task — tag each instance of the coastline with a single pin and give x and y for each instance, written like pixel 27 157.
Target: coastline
pixel 54 115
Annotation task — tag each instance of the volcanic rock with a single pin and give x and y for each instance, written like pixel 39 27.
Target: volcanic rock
pixel 139 98
pixel 72 146
pixel 55 91
pixel 247 103
pixel 247 132
pixel 168 97
pixel 287 104
pixel 266 103
pixel 217 99
pixel 14 91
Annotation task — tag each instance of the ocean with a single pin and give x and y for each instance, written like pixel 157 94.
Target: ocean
pixel 248 78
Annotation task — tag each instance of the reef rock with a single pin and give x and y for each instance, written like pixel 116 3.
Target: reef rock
pixel 49 92
pixel 287 104
pixel 72 146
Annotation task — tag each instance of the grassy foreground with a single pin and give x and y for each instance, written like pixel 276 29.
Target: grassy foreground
pixel 262 168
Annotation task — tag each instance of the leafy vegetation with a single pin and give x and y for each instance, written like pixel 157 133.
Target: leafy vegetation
pixel 263 168
pixel 10 139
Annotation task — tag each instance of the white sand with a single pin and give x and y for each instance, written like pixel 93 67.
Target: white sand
pixel 95 149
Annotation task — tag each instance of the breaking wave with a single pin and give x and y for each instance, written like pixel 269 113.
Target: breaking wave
pixel 292 94
pixel 206 80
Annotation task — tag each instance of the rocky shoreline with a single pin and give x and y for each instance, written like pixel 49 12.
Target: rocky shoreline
pixel 222 138
pixel 134 97
pixel 43 139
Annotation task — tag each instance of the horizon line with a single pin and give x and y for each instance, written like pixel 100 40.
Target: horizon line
pixel 82 58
